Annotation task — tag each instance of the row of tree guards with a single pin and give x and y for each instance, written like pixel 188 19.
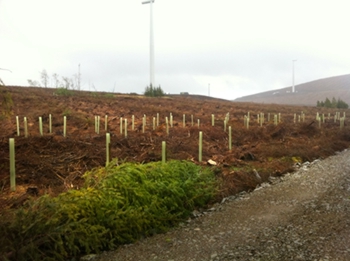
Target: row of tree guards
pixel 321 119
pixel 300 118
pixel 260 119
pixel 123 124
pixel 169 122
pixel 155 123
pixel 164 157
pixel 108 141
pixel 25 123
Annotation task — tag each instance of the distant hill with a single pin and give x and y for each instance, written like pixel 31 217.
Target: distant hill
pixel 307 93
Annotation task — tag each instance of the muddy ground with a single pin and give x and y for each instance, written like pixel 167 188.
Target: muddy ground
pixel 52 163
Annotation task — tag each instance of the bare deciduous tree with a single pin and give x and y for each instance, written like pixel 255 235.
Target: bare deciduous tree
pixel 33 83
pixel 68 83
pixel 44 78
pixel 56 80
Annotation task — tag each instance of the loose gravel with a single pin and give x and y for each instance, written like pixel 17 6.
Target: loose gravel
pixel 303 215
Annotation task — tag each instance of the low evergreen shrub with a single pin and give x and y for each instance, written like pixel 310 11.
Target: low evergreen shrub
pixel 118 205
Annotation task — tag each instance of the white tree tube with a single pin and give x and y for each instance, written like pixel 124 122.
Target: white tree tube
pixel 64 126
pixel 12 164
pixel 98 124
pixel 167 125
pixel 163 151
pixel 229 138
pixel 50 123
pixel 25 127
pixel 126 128
pixel 17 123
pixel 108 141
pixel 41 126
pixel 200 146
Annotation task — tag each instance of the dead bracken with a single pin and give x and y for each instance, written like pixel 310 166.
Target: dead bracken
pixel 54 164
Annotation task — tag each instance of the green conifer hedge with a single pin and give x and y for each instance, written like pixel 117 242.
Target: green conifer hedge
pixel 118 205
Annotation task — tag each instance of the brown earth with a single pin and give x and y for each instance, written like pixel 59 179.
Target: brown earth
pixel 53 164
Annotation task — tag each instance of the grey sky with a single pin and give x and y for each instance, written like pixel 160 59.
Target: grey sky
pixel 238 47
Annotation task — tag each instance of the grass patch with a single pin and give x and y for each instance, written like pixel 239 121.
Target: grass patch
pixel 109 95
pixel 66 112
pixel 61 91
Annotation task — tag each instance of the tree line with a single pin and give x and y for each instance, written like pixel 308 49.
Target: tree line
pixel 74 83
pixel 333 104
pixel 56 81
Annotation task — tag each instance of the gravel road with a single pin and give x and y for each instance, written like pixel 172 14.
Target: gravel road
pixel 300 216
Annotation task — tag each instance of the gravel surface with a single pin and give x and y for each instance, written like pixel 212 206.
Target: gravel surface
pixel 300 216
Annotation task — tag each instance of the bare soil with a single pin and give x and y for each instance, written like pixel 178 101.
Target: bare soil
pixel 53 164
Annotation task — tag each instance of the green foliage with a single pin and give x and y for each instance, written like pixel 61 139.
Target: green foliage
pixel 334 103
pixel 6 105
pixel 327 103
pixel 109 95
pixel 66 112
pixel 153 91
pixel 117 205
pixel 340 104
pixel 62 91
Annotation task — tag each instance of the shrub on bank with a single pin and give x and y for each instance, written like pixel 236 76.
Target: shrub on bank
pixel 118 205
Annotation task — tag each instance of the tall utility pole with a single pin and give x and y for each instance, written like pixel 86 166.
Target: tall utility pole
pixel 151 42
pixel 293 88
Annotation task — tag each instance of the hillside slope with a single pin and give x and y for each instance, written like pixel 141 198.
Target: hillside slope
pixel 307 93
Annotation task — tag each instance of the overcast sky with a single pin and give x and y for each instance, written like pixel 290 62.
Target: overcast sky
pixel 238 47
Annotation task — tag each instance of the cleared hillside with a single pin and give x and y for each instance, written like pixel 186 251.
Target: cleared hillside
pixel 307 93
